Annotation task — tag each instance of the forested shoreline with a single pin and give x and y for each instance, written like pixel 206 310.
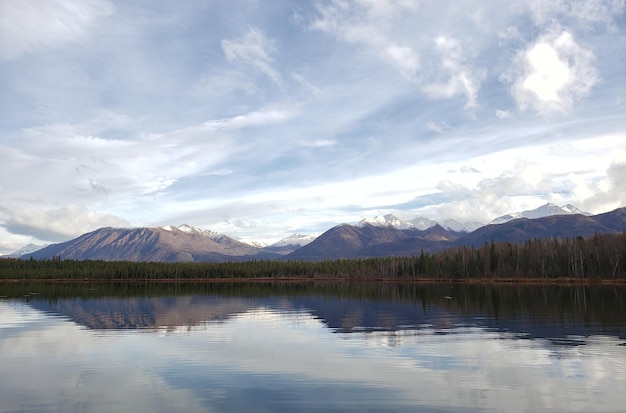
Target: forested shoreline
pixel 601 257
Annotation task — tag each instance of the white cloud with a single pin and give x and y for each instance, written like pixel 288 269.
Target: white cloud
pixel 503 114
pixel 225 83
pixel 524 178
pixel 404 58
pixel 62 165
pixel 367 22
pixel 34 25
pixel 388 8
pixel 552 73
pixel 605 193
pixel 463 79
pixel 10 242
pixel 254 49
pixel 432 126
pixel 314 90
pixel 80 165
pixel 252 119
pixel 322 143
pixel 586 12
pixel 469 170
pixel 511 33
pixel 59 224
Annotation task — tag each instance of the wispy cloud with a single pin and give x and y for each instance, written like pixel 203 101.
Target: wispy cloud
pixel 322 143
pixel 503 114
pixel 31 26
pixel 258 118
pixel 255 49
pixel 587 12
pixel 462 78
pixel 367 23
pixel 432 126
pixel 314 90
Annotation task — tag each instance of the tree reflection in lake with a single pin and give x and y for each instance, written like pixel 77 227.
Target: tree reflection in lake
pixel 312 347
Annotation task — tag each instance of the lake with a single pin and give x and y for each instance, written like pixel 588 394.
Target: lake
pixel 324 347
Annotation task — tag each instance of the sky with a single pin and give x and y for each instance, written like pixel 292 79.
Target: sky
pixel 261 119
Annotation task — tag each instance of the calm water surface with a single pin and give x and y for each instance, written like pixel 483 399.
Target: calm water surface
pixel 312 348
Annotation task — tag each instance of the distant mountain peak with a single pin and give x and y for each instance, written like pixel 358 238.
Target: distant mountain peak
pixel 387 220
pixel 419 223
pixel 26 249
pixel 549 209
pixel 255 244
pixel 297 240
pixel 422 223
pixel 456 226
pixel 188 229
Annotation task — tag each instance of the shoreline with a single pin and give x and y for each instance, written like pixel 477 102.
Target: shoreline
pixel 305 280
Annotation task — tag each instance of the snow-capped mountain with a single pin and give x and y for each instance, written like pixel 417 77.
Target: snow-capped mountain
pixel 292 241
pixel 546 210
pixel 295 240
pixel 256 244
pixel 26 249
pixel 388 220
pixel 419 223
pixel 456 226
pixel 188 229
pixel 422 223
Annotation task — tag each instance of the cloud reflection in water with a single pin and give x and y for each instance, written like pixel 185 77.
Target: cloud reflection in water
pixel 270 358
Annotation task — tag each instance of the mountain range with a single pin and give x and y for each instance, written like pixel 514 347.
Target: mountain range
pixel 379 236
pixel 419 223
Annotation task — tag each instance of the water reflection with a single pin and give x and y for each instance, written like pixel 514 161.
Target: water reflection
pixel 321 348
pixel 557 312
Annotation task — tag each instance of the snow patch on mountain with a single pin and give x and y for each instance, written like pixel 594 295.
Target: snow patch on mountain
pixel 26 249
pixel 388 220
pixel 256 244
pixel 422 223
pixel 188 229
pixel 546 210
pixel 456 226
pixel 419 223
pixel 298 240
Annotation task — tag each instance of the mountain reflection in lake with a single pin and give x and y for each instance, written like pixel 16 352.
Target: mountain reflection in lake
pixel 312 348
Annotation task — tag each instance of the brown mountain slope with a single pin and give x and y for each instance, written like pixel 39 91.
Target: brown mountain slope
pixel 149 244
pixel 556 226
pixel 432 239
pixel 346 241
pixel 615 220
